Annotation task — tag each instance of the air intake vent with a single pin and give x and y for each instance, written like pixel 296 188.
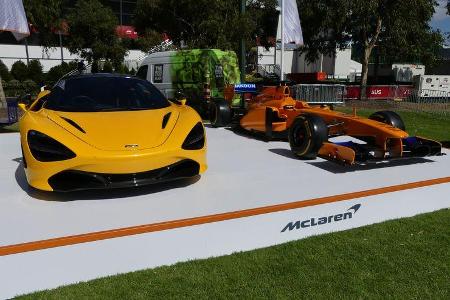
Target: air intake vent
pixel 165 120
pixel 71 122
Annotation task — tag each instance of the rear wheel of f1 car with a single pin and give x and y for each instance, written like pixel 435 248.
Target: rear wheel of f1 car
pixel 219 112
pixel 306 135
pixel 388 117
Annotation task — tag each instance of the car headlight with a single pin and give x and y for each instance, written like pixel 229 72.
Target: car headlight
pixel 195 140
pixel 45 149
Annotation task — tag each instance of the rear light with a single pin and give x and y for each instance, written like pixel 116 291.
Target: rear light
pixel 195 139
pixel 45 149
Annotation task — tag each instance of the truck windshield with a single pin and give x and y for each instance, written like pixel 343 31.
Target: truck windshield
pixel 104 93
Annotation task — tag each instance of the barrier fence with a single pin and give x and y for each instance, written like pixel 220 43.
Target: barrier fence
pixel 429 101
pixel 396 97
pixel 379 92
pixel 319 93
pixel 9 113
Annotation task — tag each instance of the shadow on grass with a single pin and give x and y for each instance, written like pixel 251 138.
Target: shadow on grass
pixel 102 194
pixel 9 128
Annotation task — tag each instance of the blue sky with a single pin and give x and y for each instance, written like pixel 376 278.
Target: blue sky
pixel 440 19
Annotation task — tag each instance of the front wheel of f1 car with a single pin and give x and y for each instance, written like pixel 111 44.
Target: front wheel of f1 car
pixel 388 117
pixel 306 135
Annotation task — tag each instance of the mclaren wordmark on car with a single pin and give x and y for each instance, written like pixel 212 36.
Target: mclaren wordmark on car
pixel 96 131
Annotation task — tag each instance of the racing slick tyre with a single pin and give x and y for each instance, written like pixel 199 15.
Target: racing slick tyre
pixel 306 135
pixel 388 117
pixel 219 112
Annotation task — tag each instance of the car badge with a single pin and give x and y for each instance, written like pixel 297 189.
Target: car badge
pixel 131 145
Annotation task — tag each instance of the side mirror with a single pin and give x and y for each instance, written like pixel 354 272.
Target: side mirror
pixel 180 98
pixel 22 107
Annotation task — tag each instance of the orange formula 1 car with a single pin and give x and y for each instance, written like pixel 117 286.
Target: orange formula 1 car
pixel 308 128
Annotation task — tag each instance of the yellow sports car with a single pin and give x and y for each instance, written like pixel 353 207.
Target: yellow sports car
pixel 94 131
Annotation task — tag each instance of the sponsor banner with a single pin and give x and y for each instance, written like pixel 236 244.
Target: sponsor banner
pixel 380 91
pixel 245 88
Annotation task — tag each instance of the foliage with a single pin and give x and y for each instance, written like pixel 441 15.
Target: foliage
pixel 144 42
pixel 14 88
pixel 399 28
pixel 204 23
pixel 4 72
pixel 107 67
pixel 29 86
pixel 122 69
pixel 34 71
pixel 46 17
pixel 92 32
pixel 58 71
pixel 19 70
pixel 14 83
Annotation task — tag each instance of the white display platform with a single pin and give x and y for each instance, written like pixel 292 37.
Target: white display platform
pixel 250 193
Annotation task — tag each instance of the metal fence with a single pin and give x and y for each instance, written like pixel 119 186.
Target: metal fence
pixel 9 113
pixel 430 101
pixel 319 93
pixel 435 103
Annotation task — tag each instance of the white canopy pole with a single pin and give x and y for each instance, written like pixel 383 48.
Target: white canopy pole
pixel 282 41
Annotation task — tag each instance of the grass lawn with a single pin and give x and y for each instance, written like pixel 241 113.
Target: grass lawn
pixel 401 259
pixel 421 124
pixel 11 128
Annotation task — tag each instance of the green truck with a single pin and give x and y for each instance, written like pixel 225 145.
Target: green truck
pixel 200 74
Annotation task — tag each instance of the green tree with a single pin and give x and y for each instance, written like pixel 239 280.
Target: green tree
pixel 204 23
pixel 46 16
pixel 35 71
pixel 56 72
pixel 4 72
pixel 107 67
pixel 19 70
pixel 92 32
pixel 399 28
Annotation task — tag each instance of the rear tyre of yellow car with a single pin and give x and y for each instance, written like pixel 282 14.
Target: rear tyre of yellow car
pixel 306 135
pixel 219 113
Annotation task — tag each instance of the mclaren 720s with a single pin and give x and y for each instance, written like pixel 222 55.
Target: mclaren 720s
pixel 95 131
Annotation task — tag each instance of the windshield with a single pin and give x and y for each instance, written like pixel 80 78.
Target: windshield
pixel 108 93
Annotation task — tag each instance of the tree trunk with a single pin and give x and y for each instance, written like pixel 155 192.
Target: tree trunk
pixel 368 46
pixel 364 73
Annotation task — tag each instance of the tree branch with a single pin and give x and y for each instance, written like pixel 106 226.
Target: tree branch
pixel 377 33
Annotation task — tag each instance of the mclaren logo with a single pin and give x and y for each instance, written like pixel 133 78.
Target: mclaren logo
pixel 322 220
pixel 131 146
